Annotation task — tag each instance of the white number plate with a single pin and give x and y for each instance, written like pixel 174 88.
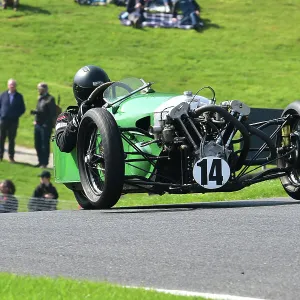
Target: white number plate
pixel 211 172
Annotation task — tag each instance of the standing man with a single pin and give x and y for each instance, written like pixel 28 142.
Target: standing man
pixel 11 108
pixel 45 117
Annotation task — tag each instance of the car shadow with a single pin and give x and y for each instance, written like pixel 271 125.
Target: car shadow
pixel 202 205
pixel 33 9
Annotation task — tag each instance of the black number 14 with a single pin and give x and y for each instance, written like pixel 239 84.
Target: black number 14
pixel 215 172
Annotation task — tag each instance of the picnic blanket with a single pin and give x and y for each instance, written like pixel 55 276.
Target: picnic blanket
pixel 156 20
pixel 90 2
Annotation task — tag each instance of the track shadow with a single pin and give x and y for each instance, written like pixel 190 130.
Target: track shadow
pixel 21 152
pixel 31 165
pixel 202 205
pixel 24 164
pixel 25 153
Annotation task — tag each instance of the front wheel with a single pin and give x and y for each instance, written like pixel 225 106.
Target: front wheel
pixel 100 158
pixel 291 136
pixel 82 200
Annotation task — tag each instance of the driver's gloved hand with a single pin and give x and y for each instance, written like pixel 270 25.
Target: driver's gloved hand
pixel 75 122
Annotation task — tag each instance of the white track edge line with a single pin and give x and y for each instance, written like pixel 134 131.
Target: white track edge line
pixel 197 294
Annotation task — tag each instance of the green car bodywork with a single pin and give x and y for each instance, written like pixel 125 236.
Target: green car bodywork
pixel 127 114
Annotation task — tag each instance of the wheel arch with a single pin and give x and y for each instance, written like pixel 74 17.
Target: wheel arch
pixel 294 106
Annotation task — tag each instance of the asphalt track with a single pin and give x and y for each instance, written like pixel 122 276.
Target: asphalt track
pixel 244 248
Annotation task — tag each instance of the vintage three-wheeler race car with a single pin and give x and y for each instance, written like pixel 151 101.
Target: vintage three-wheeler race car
pixel 132 139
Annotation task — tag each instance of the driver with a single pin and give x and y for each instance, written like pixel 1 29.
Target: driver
pixel 85 81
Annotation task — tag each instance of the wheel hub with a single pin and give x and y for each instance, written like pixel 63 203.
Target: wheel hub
pixel 88 158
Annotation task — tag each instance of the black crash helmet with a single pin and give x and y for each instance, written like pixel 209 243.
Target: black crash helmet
pixel 86 80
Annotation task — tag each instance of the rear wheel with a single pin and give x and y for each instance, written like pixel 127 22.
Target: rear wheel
pixel 100 158
pixel 291 182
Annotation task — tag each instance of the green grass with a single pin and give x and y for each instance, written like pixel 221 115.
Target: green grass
pixel 249 50
pixel 32 288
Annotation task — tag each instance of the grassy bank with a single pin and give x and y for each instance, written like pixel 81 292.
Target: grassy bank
pixel 28 288
pixel 248 50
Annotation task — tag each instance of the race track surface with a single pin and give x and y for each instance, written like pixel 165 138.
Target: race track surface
pixel 240 248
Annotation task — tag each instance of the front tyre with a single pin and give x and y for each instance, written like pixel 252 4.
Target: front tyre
pixel 291 182
pixel 82 200
pixel 100 158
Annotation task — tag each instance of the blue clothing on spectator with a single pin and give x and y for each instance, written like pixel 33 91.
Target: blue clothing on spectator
pixel 42 135
pixel 11 110
pixel 186 6
pixel 131 5
pixel 11 97
pixel 192 19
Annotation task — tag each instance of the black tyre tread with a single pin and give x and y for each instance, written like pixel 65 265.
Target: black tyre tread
pixel 82 200
pixel 114 159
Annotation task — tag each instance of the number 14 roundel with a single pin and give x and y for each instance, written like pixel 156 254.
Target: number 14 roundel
pixel 211 172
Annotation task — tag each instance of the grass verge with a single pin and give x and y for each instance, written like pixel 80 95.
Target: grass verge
pixel 26 287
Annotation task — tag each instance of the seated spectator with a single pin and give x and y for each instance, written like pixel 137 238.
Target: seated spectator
pixel 191 13
pixel 135 10
pixel 8 202
pixel 167 6
pixel 44 196
pixel 11 3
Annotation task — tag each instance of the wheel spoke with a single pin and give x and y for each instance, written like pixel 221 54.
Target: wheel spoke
pixel 95 164
pixel 95 143
pixel 92 140
pixel 97 158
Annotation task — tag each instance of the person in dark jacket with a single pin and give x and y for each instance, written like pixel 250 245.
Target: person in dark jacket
pixel 45 195
pixel 8 202
pixel 135 10
pixel 12 107
pixel 45 114
pixel 86 80
pixel 191 13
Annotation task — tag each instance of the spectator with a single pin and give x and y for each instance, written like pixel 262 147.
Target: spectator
pixel 45 116
pixel 167 6
pixel 135 10
pixel 45 195
pixel 191 13
pixel 11 108
pixel 11 3
pixel 8 202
